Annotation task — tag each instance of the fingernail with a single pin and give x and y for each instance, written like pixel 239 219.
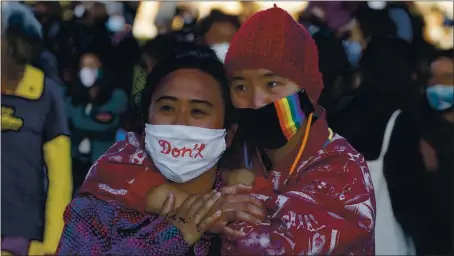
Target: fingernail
pixel 214 190
pixel 218 213
pixel 218 194
pixel 258 221
pixel 241 233
pixel 170 195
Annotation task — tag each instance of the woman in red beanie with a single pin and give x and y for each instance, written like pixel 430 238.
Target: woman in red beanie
pixel 320 198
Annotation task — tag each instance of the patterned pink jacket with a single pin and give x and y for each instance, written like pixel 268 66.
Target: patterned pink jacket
pixel 326 208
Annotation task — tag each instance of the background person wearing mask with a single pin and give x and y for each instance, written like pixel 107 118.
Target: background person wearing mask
pixel 124 47
pixel 437 119
pixel 319 197
pixel 333 58
pixel 378 119
pixel 216 30
pixel 89 26
pixel 94 110
pixel 34 137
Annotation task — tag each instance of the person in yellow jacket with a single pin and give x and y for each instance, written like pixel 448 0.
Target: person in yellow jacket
pixel 34 142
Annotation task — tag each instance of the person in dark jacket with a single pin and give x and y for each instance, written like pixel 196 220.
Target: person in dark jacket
pixel 94 110
pixel 437 121
pixel 362 116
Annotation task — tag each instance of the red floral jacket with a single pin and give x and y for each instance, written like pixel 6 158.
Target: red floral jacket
pixel 327 208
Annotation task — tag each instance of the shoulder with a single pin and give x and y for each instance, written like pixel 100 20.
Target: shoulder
pixel 406 130
pixel 119 94
pixel 339 163
pixel 118 98
pixel 336 154
pixel 88 209
pixel 101 214
pixel 406 120
pixel 52 90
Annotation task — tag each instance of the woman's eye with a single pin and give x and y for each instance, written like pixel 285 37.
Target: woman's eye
pixel 198 112
pixel 240 88
pixel 272 84
pixel 166 108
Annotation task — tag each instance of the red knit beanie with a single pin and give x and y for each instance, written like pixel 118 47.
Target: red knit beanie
pixel 272 39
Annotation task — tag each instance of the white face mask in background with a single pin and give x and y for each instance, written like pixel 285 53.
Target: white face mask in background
pixel 88 76
pixel 85 146
pixel 183 153
pixel 376 5
pixel 220 50
pixel 115 23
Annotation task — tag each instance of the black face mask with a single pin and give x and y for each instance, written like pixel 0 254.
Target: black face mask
pixel 273 125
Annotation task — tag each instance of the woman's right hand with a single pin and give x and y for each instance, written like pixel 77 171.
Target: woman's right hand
pixel 194 216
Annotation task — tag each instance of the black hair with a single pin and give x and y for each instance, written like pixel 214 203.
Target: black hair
pixel 205 24
pixel 374 22
pixel 22 49
pixel 445 53
pixel 159 48
pixel 386 72
pixel 387 61
pixel 188 55
pixel 22 32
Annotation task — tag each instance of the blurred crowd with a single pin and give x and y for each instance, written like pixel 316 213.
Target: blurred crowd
pixel 375 57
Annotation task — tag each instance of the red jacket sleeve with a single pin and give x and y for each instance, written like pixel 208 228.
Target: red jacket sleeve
pixel 123 174
pixel 329 209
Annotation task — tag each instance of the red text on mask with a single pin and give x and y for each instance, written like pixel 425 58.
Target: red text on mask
pixel 195 152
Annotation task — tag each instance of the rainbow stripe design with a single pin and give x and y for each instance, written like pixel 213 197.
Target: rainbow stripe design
pixel 290 115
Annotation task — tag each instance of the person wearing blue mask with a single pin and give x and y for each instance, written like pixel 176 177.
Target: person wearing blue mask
pixel 440 90
pixel 437 121
pixel 440 97
pixel 378 119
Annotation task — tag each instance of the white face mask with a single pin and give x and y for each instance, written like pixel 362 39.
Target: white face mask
pixel 183 153
pixel 115 23
pixel 376 5
pixel 88 76
pixel 220 50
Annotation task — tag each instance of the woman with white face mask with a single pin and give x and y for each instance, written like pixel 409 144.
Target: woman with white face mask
pixel 186 112
pixel 216 30
pixel 94 110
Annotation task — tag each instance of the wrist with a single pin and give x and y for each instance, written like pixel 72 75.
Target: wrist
pixel 178 246
pixel 187 236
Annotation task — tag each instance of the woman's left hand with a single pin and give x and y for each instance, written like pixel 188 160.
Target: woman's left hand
pixel 237 204
pixel 197 214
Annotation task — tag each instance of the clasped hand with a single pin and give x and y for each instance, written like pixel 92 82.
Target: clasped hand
pixel 212 212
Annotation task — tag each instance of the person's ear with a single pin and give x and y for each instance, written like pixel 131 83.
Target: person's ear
pixel 231 131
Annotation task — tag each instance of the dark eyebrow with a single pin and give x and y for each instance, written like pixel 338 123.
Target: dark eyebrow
pixel 166 98
pixel 202 102
pixel 172 98
pixel 269 74
pixel 238 78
